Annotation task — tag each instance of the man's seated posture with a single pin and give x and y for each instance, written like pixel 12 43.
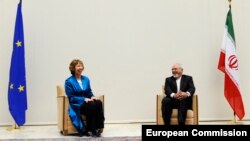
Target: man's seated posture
pixel 179 90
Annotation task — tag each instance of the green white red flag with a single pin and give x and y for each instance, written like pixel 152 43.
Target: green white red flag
pixel 228 64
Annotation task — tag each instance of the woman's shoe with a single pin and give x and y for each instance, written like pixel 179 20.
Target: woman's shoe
pixel 95 133
pixel 86 133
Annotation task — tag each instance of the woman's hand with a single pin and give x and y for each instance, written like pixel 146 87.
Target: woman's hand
pixel 94 98
pixel 88 99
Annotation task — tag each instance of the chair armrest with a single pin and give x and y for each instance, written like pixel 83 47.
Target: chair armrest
pixel 195 109
pixel 60 111
pixel 101 97
pixel 60 90
pixel 159 119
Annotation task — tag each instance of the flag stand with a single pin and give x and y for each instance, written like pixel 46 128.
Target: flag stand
pixel 235 121
pixel 14 127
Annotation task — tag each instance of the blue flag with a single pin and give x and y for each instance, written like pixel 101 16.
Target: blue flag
pixel 17 81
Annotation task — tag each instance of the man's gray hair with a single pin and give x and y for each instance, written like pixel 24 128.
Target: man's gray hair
pixel 180 65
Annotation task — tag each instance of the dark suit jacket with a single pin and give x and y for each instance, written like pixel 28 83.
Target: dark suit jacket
pixel 186 85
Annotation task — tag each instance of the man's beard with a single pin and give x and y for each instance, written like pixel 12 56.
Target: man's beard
pixel 176 75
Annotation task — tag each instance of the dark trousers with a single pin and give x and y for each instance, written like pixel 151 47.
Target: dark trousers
pixel 94 115
pixel 168 104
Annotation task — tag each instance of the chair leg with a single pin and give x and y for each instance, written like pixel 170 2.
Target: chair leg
pixel 65 132
pixel 101 130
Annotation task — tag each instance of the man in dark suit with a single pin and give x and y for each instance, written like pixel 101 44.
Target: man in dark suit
pixel 179 90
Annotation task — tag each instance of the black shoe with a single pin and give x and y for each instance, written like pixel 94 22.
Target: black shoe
pixel 80 134
pixel 98 133
pixel 86 133
pixel 95 133
pixel 181 123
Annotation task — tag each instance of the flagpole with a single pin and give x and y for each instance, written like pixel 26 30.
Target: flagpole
pixel 16 126
pixel 234 121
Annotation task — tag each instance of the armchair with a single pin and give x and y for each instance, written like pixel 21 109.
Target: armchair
pixel 64 122
pixel 192 115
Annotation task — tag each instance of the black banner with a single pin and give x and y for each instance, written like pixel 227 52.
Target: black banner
pixel 174 132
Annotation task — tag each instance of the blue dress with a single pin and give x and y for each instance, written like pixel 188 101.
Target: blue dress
pixel 76 96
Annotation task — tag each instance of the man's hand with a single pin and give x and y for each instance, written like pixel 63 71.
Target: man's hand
pixel 183 95
pixel 180 95
pixel 177 96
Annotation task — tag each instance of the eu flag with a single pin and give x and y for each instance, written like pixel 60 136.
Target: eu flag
pixel 17 81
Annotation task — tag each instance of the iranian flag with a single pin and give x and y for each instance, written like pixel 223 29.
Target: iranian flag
pixel 228 64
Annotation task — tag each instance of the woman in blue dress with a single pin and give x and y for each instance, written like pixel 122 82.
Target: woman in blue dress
pixel 82 101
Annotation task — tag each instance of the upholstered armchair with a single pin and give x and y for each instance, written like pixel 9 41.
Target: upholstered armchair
pixel 192 115
pixel 64 122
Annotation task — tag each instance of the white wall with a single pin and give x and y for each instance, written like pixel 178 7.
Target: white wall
pixel 128 48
